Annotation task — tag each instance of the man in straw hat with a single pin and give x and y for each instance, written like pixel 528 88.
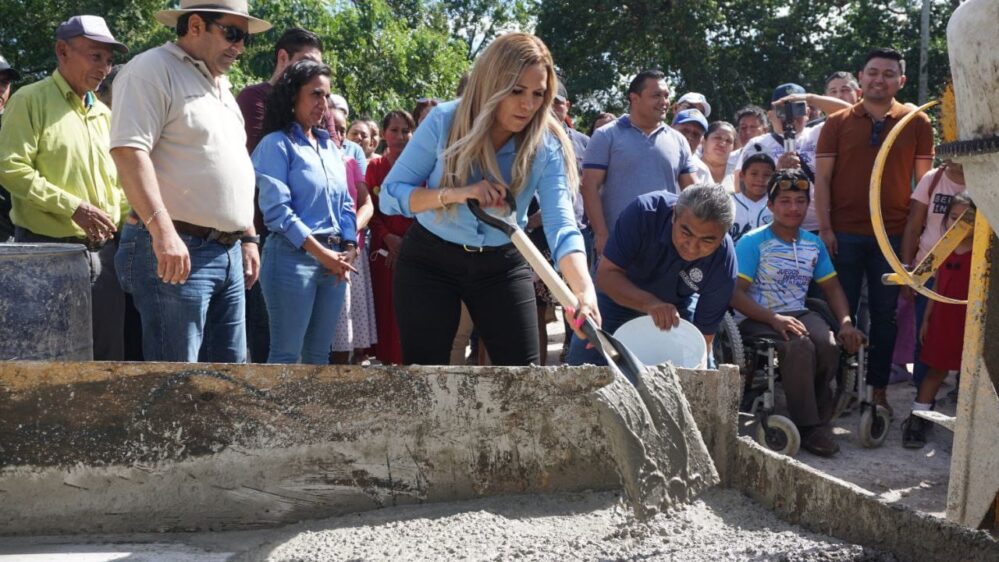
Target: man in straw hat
pixel 188 250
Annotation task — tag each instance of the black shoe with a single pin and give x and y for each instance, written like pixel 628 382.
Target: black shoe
pixel 819 441
pixel 914 432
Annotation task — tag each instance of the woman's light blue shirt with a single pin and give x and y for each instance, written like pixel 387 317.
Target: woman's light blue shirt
pixel 303 188
pixel 422 161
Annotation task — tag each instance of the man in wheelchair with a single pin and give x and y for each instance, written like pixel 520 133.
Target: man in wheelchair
pixel 776 264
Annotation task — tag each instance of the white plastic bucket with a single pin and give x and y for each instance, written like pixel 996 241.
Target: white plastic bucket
pixel 683 345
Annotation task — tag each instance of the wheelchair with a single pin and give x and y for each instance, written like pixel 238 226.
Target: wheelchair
pixel 758 364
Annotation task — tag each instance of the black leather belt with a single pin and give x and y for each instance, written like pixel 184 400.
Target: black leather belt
pixel 224 238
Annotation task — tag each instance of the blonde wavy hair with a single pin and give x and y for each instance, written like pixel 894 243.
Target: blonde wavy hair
pixel 493 77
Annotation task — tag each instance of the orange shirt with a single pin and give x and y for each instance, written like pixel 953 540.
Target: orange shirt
pixel 846 136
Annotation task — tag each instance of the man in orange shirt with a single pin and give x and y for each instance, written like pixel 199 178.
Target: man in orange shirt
pixel 847 147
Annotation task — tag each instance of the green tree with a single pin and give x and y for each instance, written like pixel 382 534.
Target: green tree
pixel 27 29
pixel 381 60
pixel 733 51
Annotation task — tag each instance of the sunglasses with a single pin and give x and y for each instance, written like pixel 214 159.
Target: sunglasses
pixel 789 184
pixel 233 34
pixel 876 130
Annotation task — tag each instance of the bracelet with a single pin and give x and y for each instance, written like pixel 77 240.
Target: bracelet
pixel 152 217
pixel 440 196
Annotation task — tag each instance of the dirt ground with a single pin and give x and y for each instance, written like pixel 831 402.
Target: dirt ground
pixel 914 478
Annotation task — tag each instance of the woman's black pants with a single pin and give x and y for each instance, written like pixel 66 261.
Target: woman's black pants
pixel 433 277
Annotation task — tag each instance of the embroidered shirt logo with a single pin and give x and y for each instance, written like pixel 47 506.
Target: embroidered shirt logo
pixel 692 278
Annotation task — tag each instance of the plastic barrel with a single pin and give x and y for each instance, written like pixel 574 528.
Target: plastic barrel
pixel 45 303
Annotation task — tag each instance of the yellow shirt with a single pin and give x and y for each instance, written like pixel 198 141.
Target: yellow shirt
pixel 54 155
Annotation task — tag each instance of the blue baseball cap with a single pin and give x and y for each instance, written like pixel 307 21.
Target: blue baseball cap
pixel 91 27
pixel 785 90
pixel 691 116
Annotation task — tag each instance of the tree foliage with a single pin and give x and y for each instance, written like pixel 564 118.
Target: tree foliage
pixel 381 59
pixel 733 51
pixel 386 53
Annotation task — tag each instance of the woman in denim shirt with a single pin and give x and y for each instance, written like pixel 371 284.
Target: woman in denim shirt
pixel 308 210
pixel 501 135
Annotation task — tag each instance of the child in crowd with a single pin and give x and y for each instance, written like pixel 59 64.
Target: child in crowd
pixel 926 224
pixel 942 331
pixel 750 201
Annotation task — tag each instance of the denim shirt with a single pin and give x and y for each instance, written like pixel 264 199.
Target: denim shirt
pixel 422 161
pixel 303 188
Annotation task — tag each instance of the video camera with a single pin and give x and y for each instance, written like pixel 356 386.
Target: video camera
pixel 787 112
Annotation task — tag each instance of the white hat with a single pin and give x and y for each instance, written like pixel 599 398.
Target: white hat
pixel 694 98
pixel 234 7
pixel 339 102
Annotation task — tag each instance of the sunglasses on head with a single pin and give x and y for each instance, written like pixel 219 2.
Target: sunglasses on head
pixel 233 34
pixel 789 184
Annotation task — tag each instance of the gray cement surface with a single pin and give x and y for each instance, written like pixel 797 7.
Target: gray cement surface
pixel 721 525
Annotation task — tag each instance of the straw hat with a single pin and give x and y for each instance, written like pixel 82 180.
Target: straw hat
pixel 234 7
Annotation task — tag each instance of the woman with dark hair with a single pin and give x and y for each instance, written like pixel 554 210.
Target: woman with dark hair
pixel 500 137
pixel 308 210
pixel 386 235
pixel 719 140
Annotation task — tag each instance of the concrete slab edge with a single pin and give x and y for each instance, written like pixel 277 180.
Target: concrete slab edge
pixel 804 496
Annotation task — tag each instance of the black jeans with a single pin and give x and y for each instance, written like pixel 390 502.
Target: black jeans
pixel 432 277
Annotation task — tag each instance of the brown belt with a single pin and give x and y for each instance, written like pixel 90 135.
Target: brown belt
pixel 211 234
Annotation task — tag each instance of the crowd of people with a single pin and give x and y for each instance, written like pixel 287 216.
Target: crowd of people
pixel 272 226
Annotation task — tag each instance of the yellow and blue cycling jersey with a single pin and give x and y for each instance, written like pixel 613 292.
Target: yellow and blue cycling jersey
pixel 779 271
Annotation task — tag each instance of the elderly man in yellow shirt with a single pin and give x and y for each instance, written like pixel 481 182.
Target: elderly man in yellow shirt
pixel 59 172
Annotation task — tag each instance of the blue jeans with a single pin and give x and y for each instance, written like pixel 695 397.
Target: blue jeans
pixel 200 320
pixel 303 303
pixel 918 367
pixel 859 257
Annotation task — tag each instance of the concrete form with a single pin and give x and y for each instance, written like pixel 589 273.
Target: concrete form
pixel 269 445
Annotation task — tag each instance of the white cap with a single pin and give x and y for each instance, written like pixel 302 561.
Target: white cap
pixel 696 99
pixel 339 102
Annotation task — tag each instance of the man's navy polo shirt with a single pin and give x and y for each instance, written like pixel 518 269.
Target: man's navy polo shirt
pixel 641 244
pixel 636 163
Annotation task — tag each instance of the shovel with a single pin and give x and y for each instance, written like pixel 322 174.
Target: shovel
pixel 616 354
pixel 659 451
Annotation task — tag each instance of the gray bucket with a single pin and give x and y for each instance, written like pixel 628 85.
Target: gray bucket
pixel 45 303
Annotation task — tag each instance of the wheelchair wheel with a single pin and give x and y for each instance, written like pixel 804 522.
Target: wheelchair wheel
pixel 781 436
pixel 727 346
pixel 874 424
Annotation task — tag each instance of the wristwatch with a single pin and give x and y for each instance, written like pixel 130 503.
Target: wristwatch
pixel 250 240
pixel 348 244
